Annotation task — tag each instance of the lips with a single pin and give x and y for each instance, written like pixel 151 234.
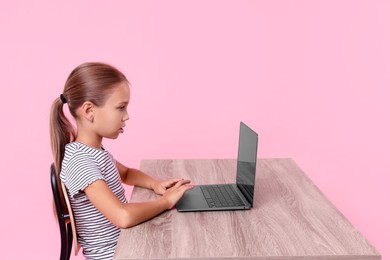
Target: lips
pixel 121 130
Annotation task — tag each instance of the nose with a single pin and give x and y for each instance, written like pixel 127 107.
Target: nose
pixel 126 117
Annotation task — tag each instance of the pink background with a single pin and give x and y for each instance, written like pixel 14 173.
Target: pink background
pixel 312 77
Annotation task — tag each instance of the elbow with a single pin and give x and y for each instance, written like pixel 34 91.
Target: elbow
pixel 125 220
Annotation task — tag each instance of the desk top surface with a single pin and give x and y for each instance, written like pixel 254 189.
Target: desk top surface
pixel 291 218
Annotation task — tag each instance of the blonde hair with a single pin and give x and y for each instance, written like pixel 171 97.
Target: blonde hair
pixel 92 81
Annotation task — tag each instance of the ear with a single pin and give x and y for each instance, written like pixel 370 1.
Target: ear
pixel 87 110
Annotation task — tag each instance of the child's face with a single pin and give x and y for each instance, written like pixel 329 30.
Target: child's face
pixel 109 120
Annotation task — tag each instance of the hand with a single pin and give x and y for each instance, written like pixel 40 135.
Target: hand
pixel 173 194
pixel 160 187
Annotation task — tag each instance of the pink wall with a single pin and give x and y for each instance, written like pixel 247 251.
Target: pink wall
pixel 312 77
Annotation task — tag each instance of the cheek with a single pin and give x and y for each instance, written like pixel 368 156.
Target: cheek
pixel 114 119
pixel 105 120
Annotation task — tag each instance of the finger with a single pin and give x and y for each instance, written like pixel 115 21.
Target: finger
pixel 176 179
pixel 181 184
pixel 186 187
pixel 177 185
pixel 185 182
pixel 171 182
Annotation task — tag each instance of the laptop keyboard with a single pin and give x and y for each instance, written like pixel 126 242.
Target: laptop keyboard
pixel 221 196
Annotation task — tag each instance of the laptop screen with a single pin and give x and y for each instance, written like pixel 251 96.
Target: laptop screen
pixel 246 163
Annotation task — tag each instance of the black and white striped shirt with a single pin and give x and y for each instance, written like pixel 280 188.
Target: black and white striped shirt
pixel 81 166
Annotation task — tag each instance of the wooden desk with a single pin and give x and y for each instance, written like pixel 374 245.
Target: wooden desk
pixel 291 219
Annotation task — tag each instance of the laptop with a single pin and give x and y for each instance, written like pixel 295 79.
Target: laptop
pixel 238 196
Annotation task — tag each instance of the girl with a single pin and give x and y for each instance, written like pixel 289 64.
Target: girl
pixel 97 96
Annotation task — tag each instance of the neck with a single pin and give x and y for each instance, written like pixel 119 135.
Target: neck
pixel 90 139
pixel 91 143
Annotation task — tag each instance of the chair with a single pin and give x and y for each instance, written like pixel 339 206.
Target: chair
pixel 65 218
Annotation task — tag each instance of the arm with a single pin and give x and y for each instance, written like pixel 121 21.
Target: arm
pixel 138 178
pixel 125 215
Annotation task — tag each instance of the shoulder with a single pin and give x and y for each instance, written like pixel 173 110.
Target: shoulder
pixel 80 167
pixel 77 151
pixel 79 158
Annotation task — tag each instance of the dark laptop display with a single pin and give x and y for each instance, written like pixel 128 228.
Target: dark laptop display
pixel 228 196
pixel 246 162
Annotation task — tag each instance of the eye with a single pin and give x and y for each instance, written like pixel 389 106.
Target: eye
pixel 122 108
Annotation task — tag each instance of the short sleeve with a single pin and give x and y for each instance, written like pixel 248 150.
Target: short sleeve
pixel 81 171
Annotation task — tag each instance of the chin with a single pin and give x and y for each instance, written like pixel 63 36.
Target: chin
pixel 114 136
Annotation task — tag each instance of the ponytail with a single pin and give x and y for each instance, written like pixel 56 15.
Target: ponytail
pixel 61 133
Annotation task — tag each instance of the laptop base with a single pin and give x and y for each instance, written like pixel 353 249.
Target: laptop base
pixel 194 200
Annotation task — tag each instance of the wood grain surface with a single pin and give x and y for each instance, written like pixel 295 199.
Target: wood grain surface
pixel 291 219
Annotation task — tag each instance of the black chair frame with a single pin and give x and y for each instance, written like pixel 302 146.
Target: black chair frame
pixel 62 216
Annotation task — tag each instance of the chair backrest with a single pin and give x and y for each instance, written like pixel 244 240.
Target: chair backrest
pixel 64 215
pixel 72 222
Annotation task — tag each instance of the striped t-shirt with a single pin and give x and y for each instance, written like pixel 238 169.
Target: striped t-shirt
pixel 81 166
